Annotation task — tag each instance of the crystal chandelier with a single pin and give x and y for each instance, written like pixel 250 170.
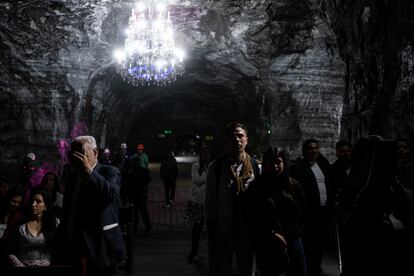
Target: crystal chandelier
pixel 150 56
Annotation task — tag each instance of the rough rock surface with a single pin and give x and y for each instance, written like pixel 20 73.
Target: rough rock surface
pixel 289 69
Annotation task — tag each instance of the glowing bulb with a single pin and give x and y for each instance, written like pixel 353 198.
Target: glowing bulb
pixel 179 53
pixel 119 55
pixel 140 6
pixel 161 7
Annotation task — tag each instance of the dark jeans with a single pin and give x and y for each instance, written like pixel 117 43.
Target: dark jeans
pixel 297 259
pixel 140 206
pixel 315 242
pixel 221 256
pixel 196 236
pixel 91 269
pixel 169 187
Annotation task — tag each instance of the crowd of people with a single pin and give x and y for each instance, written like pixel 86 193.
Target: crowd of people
pixel 264 216
pixel 283 218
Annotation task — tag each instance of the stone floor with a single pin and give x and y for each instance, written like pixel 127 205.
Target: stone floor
pixel 164 251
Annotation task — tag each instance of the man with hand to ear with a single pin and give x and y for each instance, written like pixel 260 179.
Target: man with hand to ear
pixel 89 231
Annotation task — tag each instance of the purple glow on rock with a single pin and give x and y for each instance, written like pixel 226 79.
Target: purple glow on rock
pixel 37 177
pixel 63 147
pixel 79 128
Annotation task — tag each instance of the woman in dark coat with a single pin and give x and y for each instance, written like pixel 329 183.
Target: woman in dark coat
pixel 282 214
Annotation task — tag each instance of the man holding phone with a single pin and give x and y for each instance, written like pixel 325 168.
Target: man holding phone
pixel 89 231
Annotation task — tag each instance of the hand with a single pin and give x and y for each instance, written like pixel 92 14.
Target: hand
pixel 14 261
pixel 83 161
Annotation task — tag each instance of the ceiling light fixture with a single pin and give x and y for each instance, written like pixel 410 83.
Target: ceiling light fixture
pixel 150 56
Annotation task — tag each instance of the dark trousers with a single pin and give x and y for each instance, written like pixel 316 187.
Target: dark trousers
pixel 196 236
pixel 169 187
pixel 221 256
pixel 297 260
pixel 124 189
pixel 89 268
pixel 315 242
pixel 140 207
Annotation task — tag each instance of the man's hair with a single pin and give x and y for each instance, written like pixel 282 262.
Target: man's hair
pixel 232 126
pixel 87 139
pixel 342 143
pixel 307 143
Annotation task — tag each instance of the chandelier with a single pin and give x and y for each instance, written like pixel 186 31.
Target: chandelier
pixel 150 56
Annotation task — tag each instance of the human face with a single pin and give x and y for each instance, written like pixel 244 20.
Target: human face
pixel 402 149
pixel 279 166
pixel 312 152
pixel 206 155
pixel 90 153
pixel 50 182
pixel 83 155
pixel 38 205
pixel 3 188
pixel 15 202
pixel 344 153
pixel 237 141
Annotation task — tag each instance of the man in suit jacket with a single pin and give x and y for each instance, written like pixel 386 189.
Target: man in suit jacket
pixel 229 206
pixel 313 173
pixel 89 230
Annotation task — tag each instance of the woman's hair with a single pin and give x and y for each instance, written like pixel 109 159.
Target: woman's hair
pixel 55 187
pixel 201 160
pixel 268 161
pixel 48 217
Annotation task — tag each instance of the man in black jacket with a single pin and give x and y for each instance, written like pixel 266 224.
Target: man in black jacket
pixel 89 230
pixel 229 206
pixel 312 172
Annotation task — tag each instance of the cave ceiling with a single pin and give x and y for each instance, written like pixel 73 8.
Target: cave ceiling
pixel 288 69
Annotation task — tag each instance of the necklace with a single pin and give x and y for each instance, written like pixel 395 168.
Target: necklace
pixel 37 225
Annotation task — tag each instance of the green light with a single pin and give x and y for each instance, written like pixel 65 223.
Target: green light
pixel 167 131
pixel 269 128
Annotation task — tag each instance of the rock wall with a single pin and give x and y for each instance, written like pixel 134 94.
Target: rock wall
pixel 290 70
pixel 375 39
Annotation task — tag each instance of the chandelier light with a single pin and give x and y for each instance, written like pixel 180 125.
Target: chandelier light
pixel 150 56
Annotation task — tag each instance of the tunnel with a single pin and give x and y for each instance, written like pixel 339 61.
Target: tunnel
pixel 289 70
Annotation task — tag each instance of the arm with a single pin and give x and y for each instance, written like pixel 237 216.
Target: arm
pixel 197 179
pixel 12 247
pixel 274 222
pixel 107 185
pixel 14 261
pixel 301 200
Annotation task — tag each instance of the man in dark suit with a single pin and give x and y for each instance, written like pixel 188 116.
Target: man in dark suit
pixel 89 231
pixel 313 173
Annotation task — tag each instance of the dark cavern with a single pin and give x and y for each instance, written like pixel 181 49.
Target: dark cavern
pixel 289 70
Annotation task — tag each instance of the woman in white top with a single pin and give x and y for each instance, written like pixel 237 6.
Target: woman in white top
pixel 31 243
pixel 195 208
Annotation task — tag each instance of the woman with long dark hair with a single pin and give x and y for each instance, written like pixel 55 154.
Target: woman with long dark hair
pixel 282 218
pixel 51 182
pixel 32 242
